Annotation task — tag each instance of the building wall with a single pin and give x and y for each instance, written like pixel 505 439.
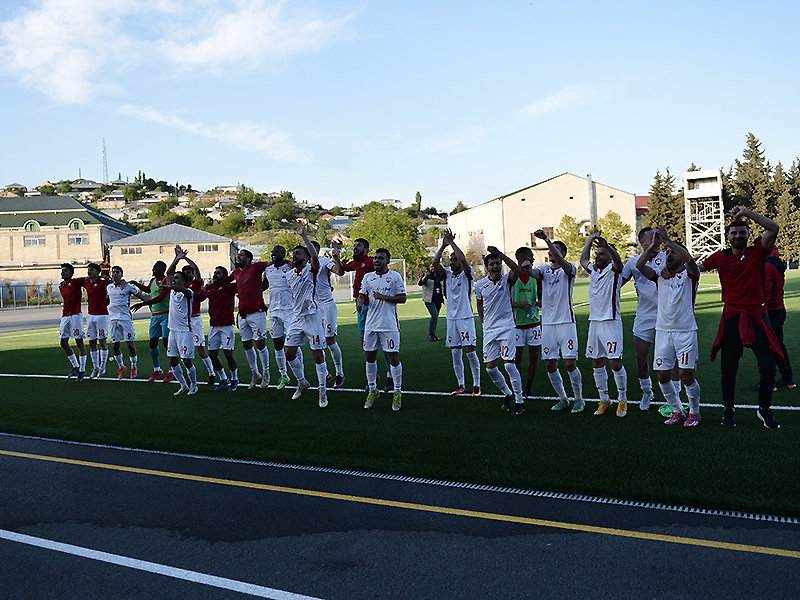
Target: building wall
pixel 137 261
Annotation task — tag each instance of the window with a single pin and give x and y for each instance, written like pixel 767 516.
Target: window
pixel 77 239
pixel 33 240
pixel 207 247
pixel 76 224
pixel 31 226
pixel 136 250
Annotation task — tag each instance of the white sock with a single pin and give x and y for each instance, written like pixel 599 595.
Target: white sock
pixel 601 382
pixel 693 393
pixel 516 380
pixel 95 358
pixel 221 375
pixel 336 355
pixel 397 376
pixel 621 380
pixel 178 373
pixel 496 376
pixel 558 384
pixel 297 369
pixel 209 365
pixel 73 360
pixel 646 384
pixel 301 359
pixel 250 353
pixel 458 365
pixel 118 358
pixel 576 379
pixel 676 383
pixel 263 354
pixel 235 374
pixel 322 375
pixel 134 360
pixel 82 362
pixel 670 396
pixel 192 375
pixel 280 360
pixel 475 367
pixel 103 359
pixel 372 375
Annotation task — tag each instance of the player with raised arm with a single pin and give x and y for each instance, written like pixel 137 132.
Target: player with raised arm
pixel 281 307
pixel 328 310
pixel 458 284
pixel 72 320
pixel 159 316
pixel 221 335
pixel 195 283
pixel 385 290
pixel 493 298
pixel 120 327
pixel 744 316
pixel 559 332
pixel 97 318
pixel 604 343
pixel 252 318
pixel 526 300
pixel 307 323
pixel 676 328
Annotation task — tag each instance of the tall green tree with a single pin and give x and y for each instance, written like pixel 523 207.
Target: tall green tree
pixel 665 207
pixel 394 230
pixel 417 206
pixel 460 207
pixel 283 207
pixel 615 231
pixel 751 179
pixel 569 232
pixel 787 215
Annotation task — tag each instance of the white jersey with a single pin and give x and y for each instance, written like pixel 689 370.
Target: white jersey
pixel 604 286
pixel 646 290
pixel 557 294
pixel 382 315
pixel 303 286
pixel 324 287
pixel 180 311
pixel 676 296
pixel 496 297
pixel 280 295
pixel 458 291
pixel 119 301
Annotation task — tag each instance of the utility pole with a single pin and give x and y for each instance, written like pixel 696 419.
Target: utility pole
pixel 105 162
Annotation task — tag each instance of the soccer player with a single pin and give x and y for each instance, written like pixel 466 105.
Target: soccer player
pixel 281 308
pixel 328 310
pixel 97 319
pixel 159 316
pixel 72 320
pixel 676 328
pixel 559 332
pixel 493 298
pixel 644 325
pixel 252 314
pixel 181 340
pixel 307 323
pixel 526 298
pixel 195 283
pixel 604 343
pixel 221 335
pixel 385 290
pixel 120 325
pixel 744 316
pixel 458 282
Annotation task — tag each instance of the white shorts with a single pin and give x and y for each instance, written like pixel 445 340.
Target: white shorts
pixel 121 331
pixel 278 325
pixel 499 343
pixel 561 337
pixel 221 337
pixel 307 327
pixel 253 326
pixel 198 332
pixel 330 318
pixel 97 327
pixel 532 336
pixel 644 328
pixel 461 332
pixel 605 339
pixel 180 344
pixel 388 341
pixel 72 327
pixel 675 346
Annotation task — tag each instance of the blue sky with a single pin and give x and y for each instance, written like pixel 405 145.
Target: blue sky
pixel 347 102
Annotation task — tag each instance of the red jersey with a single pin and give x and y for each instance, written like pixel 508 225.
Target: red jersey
pixel 741 276
pixel 96 295
pixel 220 303
pixel 197 287
pixel 361 266
pixel 774 280
pixel 71 292
pixel 248 282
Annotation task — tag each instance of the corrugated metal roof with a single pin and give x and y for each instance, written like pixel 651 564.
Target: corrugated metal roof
pixel 170 234
pixel 53 211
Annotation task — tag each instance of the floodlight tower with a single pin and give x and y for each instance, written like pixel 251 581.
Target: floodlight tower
pixel 105 162
pixel 705 216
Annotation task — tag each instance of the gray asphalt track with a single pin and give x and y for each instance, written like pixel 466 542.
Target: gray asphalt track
pixel 340 548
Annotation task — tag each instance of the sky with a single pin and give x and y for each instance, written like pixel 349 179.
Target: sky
pixel 345 102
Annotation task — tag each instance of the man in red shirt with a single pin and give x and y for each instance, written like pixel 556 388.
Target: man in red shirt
pixel 252 319
pixel 97 319
pixel 72 320
pixel 744 316
pixel 221 335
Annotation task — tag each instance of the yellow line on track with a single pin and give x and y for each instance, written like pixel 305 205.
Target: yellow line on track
pixel 423 507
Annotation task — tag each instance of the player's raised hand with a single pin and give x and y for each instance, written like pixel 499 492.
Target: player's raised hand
pixel 301 228
pixel 492 250
pixel 539 233
pixel 448 237
pixel 336 253
pixel 661 233
pixel 737 212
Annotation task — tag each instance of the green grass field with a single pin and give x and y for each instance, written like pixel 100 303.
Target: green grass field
pixel 747 468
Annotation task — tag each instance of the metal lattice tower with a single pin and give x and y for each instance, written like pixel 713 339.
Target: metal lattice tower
pixel 105 162
pixel 704 212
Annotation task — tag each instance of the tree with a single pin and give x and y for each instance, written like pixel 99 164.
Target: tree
pixel 289 240
pixel 417 206
pixel 65 187
pixel 751 179
pixel 199 219
pixel 615 231
pixel 665 207
pixel 131 193
pixel 283 207
pixel 233 223
pixel 786 215
pixel 460 207
pixel 393 230
pixel 569 232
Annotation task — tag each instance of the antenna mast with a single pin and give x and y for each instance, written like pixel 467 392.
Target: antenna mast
pixel 105 163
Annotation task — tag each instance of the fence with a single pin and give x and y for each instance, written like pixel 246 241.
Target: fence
pixel 20 295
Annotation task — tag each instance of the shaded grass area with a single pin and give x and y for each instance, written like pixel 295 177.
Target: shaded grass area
pixel 467 439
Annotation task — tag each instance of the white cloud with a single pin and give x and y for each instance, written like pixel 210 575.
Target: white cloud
pixel 244 135
pixel 568 97
pixel 457 142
